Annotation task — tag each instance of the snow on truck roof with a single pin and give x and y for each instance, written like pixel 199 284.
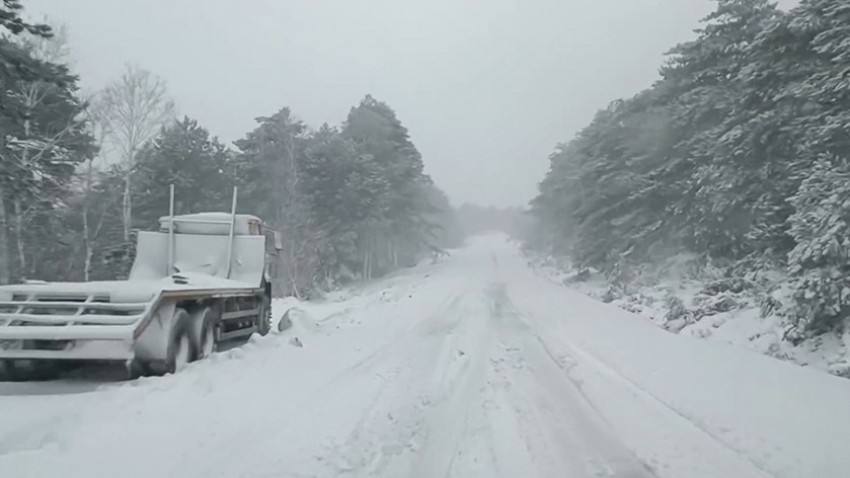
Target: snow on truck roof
pixel 212 223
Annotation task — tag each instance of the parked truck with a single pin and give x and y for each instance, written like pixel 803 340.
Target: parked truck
pixel 198 281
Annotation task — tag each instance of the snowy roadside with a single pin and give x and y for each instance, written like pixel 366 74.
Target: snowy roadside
pixel 715 309
pixel 234 401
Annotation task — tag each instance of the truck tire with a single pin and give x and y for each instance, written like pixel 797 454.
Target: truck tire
pixel 180 347
pixel 136 368
pixel 180 350
pixel 264 318
pixel 203 333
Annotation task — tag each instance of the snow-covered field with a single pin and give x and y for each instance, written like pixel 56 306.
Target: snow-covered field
pixel 473 367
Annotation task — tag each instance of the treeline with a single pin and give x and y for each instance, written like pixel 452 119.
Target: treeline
pixel 738 154
pixel 79 176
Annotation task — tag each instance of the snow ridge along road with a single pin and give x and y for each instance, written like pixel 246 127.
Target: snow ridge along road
pixel 473 367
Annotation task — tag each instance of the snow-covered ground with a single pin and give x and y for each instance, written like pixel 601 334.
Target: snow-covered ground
pixel 708 311
pixel 473 367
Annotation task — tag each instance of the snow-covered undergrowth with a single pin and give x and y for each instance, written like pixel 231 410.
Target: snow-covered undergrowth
pixel 742 312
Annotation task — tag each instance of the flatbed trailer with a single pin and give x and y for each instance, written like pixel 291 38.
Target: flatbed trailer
pixel 197 282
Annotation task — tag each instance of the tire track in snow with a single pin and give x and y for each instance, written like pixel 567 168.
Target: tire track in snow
pixel 562 434
pixel 644 394
pixel 388 347
pixel 567 356
pixel 388 397
pixel 393 424
pixel 455 384
pixel 429 326
pixel 350 407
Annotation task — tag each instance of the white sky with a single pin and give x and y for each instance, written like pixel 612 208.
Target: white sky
pixel 486 87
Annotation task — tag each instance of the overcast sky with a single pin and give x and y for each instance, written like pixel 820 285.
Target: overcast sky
pixel 487 88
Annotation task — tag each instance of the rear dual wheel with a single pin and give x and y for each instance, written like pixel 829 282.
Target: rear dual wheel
pixel 190 340
pixel 264 317
pixel 180 349
pixel 203 333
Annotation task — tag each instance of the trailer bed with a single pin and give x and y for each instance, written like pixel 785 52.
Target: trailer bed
pixel 95 320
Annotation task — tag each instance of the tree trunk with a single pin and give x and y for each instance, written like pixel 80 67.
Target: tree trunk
pixel 373 255
pixel 127 209
pixel 293 269
pixel 19 218
pixel 4 240
pixel 19 238
pixel 87 240
pixel 365 273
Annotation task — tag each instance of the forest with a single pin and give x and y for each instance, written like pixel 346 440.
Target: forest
pixel 738 155
pixel 81 173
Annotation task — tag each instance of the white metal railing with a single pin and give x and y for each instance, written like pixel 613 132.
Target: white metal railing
pixel 88 312
pixel 169 267
pixel 232 234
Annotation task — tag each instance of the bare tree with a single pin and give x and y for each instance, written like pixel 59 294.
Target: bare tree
pixel 132 110
pixel 90 234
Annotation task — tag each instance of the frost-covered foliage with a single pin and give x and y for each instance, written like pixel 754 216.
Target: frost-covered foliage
pixel 821 259
pixel 737 156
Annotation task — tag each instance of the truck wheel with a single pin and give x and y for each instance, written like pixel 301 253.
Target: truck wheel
pixel 180 348
pixel 136 369
pixel 264 318
pixel 203 334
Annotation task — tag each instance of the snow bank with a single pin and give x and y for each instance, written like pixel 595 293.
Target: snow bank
pixel 745 324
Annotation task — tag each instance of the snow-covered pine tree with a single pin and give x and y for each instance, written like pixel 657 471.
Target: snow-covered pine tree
pixel 44 138
pixel 270 175
pixel 820 261
pixel 399 228
pixel 184 154
pixel 716 158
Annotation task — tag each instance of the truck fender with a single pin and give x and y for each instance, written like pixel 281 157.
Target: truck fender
pixel 153 344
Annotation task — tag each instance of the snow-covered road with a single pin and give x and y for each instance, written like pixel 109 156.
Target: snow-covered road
pixel 473 367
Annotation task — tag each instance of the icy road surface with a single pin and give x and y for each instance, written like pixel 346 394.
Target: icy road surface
pixel 473 367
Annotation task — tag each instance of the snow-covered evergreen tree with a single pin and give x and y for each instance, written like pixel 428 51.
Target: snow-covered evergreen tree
pixel 820 261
